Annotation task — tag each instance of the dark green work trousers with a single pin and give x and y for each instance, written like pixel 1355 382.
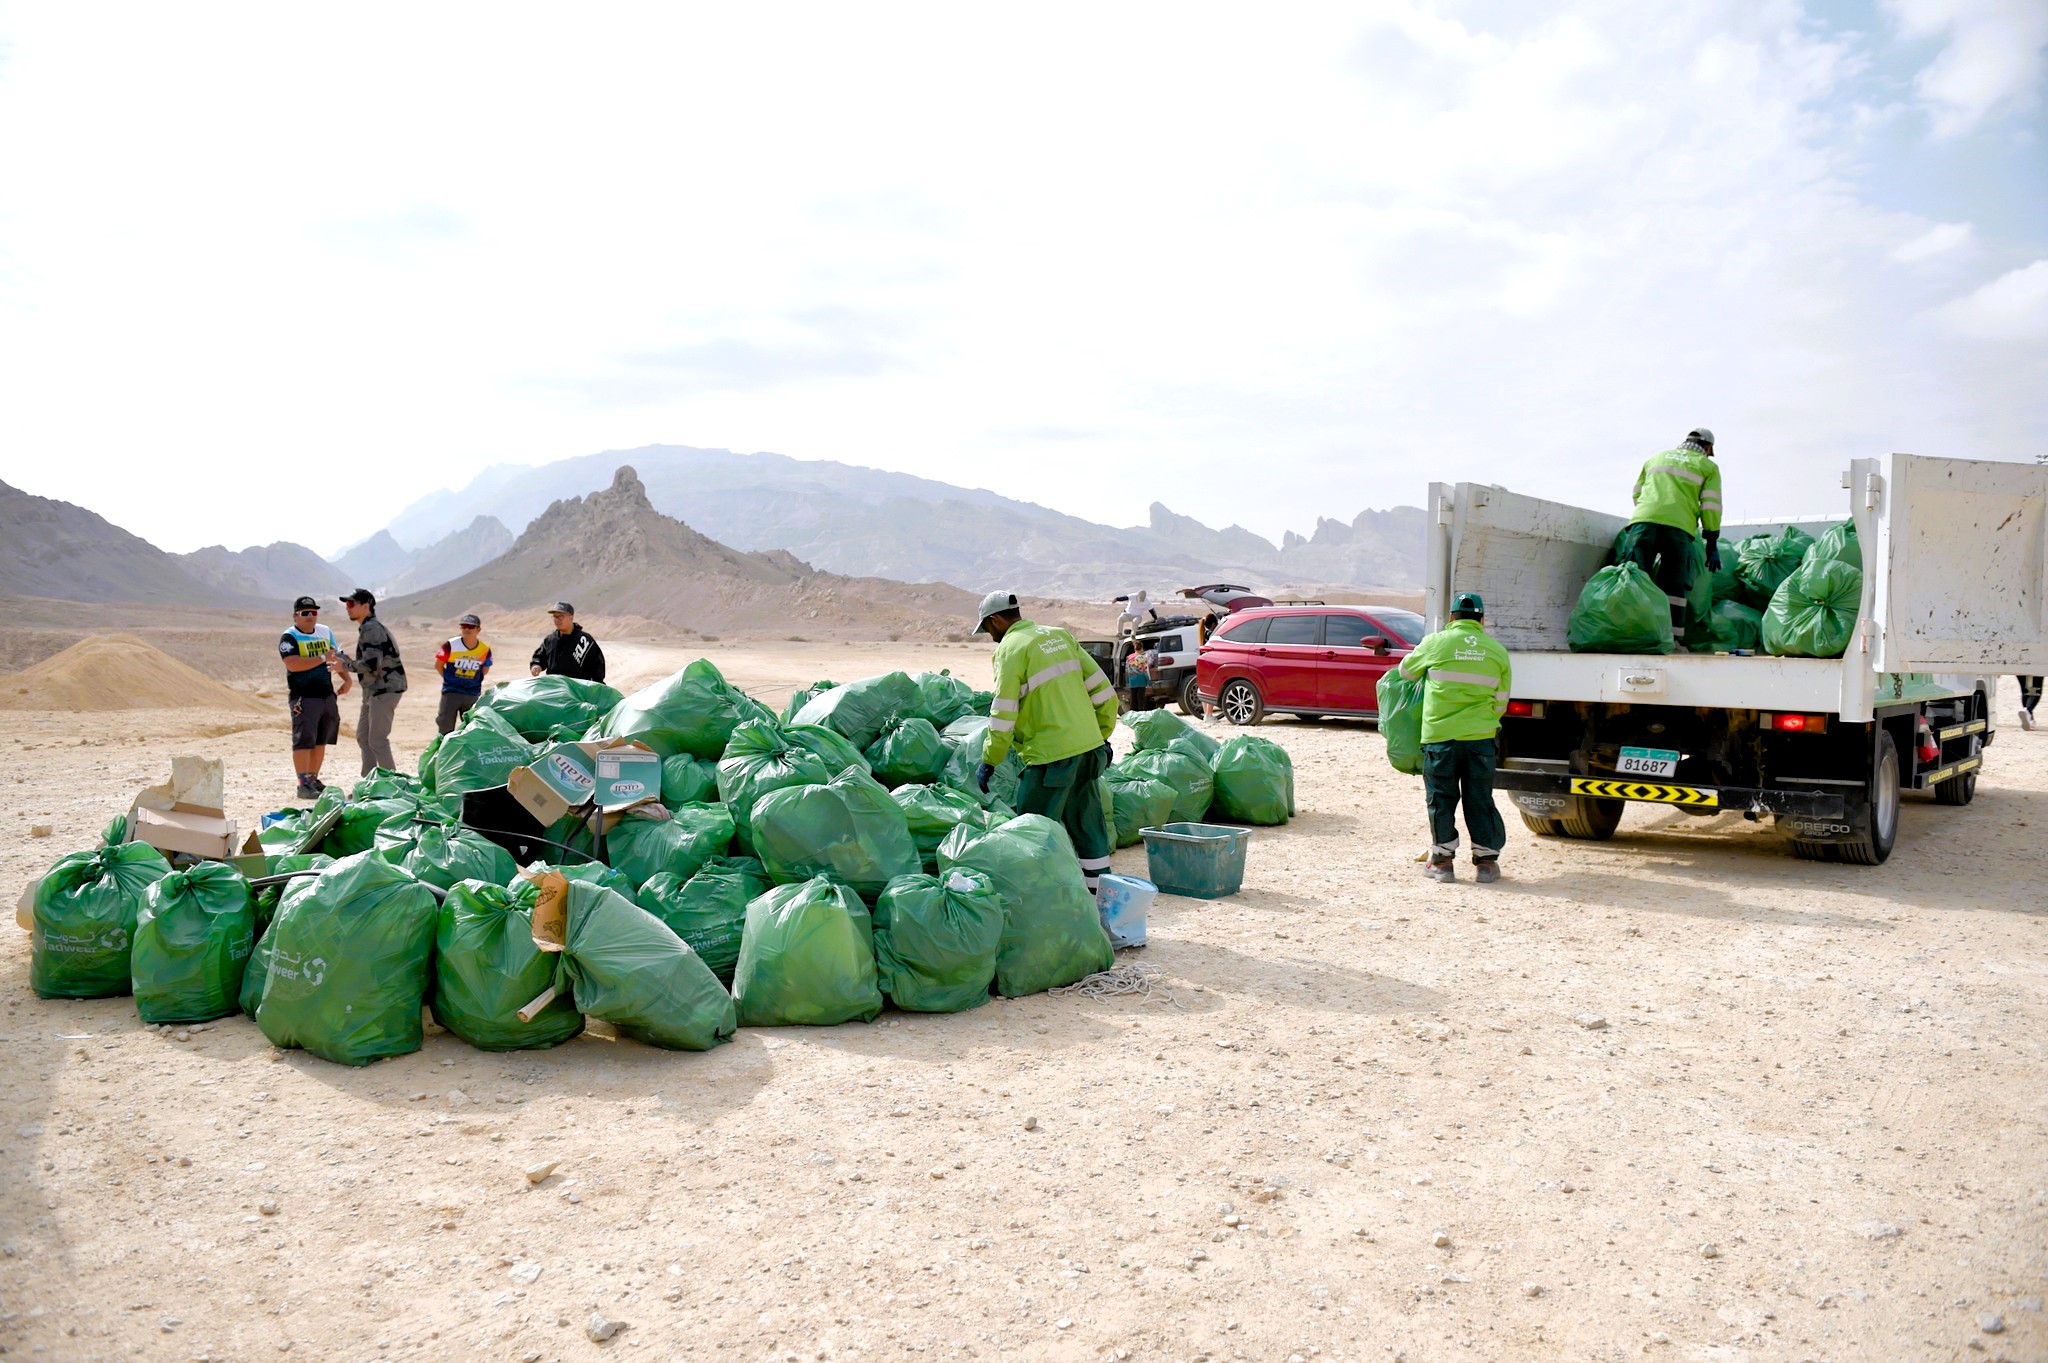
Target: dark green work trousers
pixel 1068 793
pixel 1455 772
pixel 1665 553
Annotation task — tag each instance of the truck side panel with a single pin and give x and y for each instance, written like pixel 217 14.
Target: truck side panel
pixel 1962 567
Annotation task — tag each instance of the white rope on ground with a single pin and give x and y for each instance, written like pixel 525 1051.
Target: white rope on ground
pixel 1119 981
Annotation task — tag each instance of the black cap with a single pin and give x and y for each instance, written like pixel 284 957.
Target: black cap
pixel 360 597
pixel 561 608
pixel 470 620
pixel 305 603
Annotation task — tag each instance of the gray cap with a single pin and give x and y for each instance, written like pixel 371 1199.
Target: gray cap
pixel 1700 435
pixel 470 620
pixel 995 603
pixel 561 608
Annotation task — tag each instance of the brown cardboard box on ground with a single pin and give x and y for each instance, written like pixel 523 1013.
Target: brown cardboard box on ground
pixel 197 832
pixel 613 775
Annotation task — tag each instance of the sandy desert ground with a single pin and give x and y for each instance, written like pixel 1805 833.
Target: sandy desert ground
pixel 1359 1117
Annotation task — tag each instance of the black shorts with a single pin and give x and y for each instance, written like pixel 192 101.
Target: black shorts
pixel 316 722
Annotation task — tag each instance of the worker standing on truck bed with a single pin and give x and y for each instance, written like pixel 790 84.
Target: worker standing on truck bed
pixel 1467 677
pixel 1677 494
pixel 1053 702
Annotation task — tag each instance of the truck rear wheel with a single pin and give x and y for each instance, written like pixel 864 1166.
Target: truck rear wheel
pixel 1959 790
pixel 1595 820
pixel 1874 828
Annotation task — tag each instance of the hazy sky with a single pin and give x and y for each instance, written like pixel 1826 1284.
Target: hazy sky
pixel 273 271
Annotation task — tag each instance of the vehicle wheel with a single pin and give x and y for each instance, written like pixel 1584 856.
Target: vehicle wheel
pixel 1241 703
pixel 1543 827
pixel 1190 699
pixel 1876 825
pixel 1592 819
pixel 1957 790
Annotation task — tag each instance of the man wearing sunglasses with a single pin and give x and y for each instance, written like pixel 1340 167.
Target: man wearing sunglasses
pixel 307 649
pixel 382 672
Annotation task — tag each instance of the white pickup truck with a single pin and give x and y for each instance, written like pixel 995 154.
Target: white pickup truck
pixel 1955 587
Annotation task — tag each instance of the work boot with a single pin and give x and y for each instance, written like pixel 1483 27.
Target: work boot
pixel 1440 869
pixel 1487 871
pixel 307 789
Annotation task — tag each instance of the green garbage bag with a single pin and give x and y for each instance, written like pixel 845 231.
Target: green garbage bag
pixel 1839 544
pixel 807 958
pixel 283 834
pixel 628 969
pixel 1724 583
pixel 690 836
pixel 1400 721
pixel 1137 802
pixel 548 708
pixel 687 780
pixel 192 942
pixel 443 855
pixel 760 758
pixel 479 754
pixel 849 828
pixel 836 751
pixel 860 710
pixel 933 811
pixel 943 698
pixel 709 909
pixel 486 968
pixel 426 778
pixel 1814 612
pixel 1052 934
pixel 1732 625
pixel 257 969
pixel 1620 611
pixel 936 939
pixel 357 830
pixel 1192 784
pixel 693 711
pixel 83 915
pixel 586 872
pixel 909 752
pixel 350 963
pixel 1160 729
pixel 1254 781
pixel 1763 562
pixel 265 898
pixel 382 784
pixel 968 738
pixel 804 696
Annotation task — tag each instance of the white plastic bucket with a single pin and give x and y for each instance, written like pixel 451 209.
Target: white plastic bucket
pixel 1122 902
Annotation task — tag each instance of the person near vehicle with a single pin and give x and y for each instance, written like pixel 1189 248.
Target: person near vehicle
pixel 382 672
pixel 2030 696
pixel 307 649
pixel 462 663
pixel 1138 675
pixel 1677 495
pixel 1466 677
pixel 1057 709
pixel 569 651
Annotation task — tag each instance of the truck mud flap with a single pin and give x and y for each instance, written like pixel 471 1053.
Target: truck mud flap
pixel 1545 794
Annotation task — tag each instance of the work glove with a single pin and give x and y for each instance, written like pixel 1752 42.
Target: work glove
pixel 1713 554
pixel 1108 752
pixel 982 775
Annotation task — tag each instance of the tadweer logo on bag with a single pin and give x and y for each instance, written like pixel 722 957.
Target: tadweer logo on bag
pixel 114 938
pixel 312 971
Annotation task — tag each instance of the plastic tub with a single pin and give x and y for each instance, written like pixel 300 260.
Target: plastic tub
pixel 1122 901
pixel 1200 860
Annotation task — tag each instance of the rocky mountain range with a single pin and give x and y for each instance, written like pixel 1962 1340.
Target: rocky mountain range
pixel 476 544
pixel 268 573
pixel 869 522
pixel 613 554
pixel 52 548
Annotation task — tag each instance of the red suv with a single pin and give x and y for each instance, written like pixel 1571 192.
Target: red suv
pixel 1304 660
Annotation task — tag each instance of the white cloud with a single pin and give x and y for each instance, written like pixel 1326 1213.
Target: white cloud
pixel 1935 241
pixel 1991 56
pixel 2012 307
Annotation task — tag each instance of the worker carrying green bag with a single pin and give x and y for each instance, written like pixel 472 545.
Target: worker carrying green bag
pixel 1467 678
pixel 1677 494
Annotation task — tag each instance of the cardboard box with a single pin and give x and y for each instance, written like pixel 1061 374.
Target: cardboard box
pixel 196 832
pixel 571 776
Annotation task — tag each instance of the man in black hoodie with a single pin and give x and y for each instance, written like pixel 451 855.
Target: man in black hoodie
pixel 569 651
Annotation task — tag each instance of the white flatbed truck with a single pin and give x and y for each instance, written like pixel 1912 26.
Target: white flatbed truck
pixel 1955 556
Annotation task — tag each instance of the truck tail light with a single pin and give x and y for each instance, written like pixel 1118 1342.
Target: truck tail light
pixel 1525 709
pixel 1797 724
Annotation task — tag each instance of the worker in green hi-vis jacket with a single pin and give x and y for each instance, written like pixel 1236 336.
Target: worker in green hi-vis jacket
pixel 1054 704
pixel 1467 676
pixel 1677 493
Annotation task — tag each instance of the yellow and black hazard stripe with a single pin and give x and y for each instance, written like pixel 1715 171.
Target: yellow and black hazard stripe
pixel 1975 726
pixel 1602 789
pixel 1967 765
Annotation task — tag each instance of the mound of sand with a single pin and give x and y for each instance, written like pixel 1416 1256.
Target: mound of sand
pixel 117 672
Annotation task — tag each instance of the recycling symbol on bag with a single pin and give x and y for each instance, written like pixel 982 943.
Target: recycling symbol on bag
pixel 314 971
pixel 114 938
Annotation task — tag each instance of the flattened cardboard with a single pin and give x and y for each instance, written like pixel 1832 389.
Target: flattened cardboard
pixel 550 909
pixel 196 832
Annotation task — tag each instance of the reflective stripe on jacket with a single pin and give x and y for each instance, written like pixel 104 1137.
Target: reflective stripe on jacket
pixel 1680 488
pixel 1468 678
pixel 1052 701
